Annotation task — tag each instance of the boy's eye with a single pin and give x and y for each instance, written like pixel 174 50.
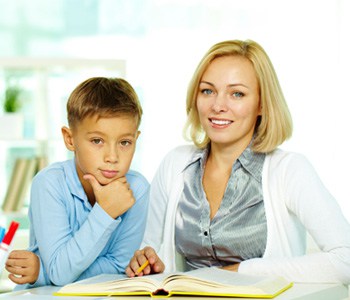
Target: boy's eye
pixel 125 143
pixel 238 94
pixel 96 141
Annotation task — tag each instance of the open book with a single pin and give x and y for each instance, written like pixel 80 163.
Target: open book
pixel 204 282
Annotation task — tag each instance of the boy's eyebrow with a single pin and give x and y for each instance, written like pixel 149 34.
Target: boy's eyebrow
pixel 129 134
pixel 95 132
pixel 132 134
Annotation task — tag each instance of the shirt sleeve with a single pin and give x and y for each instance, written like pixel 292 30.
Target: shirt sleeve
pixel 166 188
pixel 67 254
pixel 308 200
pixel 157 211
pixel 128 239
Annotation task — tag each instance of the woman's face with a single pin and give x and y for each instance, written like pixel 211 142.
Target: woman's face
pixel 228 101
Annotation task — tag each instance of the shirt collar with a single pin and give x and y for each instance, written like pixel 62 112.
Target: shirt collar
pixel 198 155
pixel 251 161
pixel 74 184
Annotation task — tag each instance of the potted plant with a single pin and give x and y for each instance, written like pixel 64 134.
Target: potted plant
pixel 12 101
pixel 12 119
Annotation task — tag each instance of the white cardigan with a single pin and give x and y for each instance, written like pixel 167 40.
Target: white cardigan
pixel 295 201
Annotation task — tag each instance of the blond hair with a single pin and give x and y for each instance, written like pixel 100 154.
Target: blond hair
pixel 274 125
pixel 102 97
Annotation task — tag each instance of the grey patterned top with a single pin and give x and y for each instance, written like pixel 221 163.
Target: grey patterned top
pixel 238 231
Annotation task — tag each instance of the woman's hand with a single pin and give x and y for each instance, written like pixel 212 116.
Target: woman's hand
pixel 140 257
pixel 233 267
pixel 23 266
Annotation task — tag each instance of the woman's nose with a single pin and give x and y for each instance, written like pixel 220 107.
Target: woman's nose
pixel 220 103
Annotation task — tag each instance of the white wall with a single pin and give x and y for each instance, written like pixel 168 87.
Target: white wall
pixel 307 40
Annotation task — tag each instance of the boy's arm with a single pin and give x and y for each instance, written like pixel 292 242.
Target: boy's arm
pixel 66 254
pixel 127 241
pixel 42 278
pixel 66 245
pixel 69 252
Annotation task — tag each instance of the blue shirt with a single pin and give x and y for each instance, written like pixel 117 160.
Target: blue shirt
pixel 75 240
pixel 238 231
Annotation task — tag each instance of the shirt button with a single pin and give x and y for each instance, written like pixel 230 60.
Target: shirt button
pixel 206 233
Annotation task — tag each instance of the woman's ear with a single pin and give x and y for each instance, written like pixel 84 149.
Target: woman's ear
pixel 68 138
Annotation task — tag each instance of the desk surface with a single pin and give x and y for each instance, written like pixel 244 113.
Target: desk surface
pixel 297 292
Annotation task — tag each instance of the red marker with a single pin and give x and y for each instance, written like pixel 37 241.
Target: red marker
pixel 5 244
pixel 10 233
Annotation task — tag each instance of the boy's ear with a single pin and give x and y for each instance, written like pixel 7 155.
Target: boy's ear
pixel 138 134
pixel 68 138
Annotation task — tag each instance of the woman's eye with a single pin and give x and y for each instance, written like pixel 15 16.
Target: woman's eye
pixel 96 141
pixel 206 91
pixel 238 94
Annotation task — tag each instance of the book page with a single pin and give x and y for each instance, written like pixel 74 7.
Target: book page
pixel 215 280
pixel 224 277
pixel 115 283
pixel 205 281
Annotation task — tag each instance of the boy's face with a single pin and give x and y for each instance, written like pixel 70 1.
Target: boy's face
pixel 103 147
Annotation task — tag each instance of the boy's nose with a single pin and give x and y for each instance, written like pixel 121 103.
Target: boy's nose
pixel 112 155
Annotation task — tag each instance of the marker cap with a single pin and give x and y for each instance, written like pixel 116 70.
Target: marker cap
pixel 10 233
pixel 2 233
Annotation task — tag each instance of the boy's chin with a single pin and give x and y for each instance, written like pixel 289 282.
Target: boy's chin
pixel 106 181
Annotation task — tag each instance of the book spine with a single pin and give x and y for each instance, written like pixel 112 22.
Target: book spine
pixel 30 171
pixel 14 185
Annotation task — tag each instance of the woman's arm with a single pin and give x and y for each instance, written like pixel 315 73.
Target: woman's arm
pixel 308 201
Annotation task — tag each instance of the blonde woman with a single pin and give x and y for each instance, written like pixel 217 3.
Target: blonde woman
pixel 233 199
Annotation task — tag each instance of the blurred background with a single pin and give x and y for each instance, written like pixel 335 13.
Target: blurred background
pixel 48 47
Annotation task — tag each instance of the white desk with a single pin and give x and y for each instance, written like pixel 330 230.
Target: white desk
pixel 297 292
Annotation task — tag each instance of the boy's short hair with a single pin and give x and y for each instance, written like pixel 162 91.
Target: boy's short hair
pixel 102 97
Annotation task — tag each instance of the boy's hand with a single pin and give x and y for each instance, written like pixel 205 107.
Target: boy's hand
pixel 140 256
pixel 115 198
pixel 23 266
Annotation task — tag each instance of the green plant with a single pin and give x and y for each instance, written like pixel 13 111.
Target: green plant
pixel 12 101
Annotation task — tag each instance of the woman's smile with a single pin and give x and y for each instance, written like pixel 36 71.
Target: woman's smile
pixel 220 123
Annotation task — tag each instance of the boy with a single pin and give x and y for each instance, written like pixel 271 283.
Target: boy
pixel 88 214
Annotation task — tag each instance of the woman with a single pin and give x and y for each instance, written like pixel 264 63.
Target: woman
pixel 233 199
